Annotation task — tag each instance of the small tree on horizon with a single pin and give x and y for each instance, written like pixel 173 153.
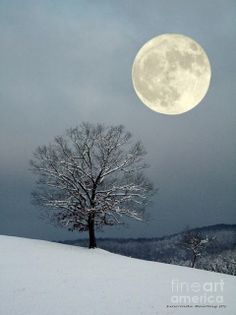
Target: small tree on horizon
pixel 195 242
pixel 91 177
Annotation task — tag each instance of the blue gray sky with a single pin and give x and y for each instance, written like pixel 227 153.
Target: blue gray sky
pixel 64 62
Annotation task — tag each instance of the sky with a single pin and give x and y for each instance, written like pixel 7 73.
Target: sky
pixel 65 62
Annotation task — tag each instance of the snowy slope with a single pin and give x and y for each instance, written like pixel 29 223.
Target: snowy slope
pixel 44 278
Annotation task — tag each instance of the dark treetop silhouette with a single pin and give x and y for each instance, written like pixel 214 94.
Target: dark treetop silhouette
pixel 92 176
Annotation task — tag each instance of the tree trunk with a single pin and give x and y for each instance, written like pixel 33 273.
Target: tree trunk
pixel 194 260
pixel 92 238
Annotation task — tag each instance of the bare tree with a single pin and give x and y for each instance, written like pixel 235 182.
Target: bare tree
pixel 195 242
pixel 91 177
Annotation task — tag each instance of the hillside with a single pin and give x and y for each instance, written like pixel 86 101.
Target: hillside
pixel 44 278
pixel 219 255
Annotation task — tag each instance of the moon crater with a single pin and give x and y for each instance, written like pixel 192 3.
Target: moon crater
pixel 171 74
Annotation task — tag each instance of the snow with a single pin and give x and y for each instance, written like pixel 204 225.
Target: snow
pixel 45 278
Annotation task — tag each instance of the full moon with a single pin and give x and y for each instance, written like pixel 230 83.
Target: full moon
pixel 171 74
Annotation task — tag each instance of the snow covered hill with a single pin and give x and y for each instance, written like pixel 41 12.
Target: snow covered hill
pixel 44 278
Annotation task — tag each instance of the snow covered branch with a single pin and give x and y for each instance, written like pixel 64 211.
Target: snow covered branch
pixel 93 175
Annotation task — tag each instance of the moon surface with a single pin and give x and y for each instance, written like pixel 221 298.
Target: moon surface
pixel 171 74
